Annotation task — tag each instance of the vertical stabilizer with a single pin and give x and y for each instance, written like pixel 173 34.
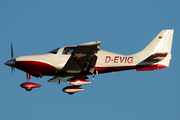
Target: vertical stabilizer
pixel 161 43
pixel 158 51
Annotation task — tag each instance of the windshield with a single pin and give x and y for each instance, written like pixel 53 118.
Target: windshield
pixel 54 51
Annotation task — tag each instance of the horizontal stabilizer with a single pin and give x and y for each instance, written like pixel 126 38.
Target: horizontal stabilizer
pixel 156 57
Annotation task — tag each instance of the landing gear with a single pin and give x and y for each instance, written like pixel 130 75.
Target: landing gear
pixel 93 78
pixel 29 88
pixel 28 76
pixel 28 85
pixel 71 93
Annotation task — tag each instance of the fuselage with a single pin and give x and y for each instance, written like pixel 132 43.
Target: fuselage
pixel 51 63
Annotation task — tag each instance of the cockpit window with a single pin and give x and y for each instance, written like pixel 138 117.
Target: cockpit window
pixel 54 51
pixel 68 50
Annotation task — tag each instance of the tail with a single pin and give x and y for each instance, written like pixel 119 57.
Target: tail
pixel 158 52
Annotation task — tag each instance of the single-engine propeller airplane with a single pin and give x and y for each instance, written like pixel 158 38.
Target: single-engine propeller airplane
pixel 74 63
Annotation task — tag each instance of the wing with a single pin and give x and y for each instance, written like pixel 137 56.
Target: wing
pixel 82 59
pixel 58 79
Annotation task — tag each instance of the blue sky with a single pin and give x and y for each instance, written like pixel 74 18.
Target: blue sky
pixel 122 26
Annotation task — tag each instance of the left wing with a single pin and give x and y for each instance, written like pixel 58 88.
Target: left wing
pixel 82 59
pixel 58 79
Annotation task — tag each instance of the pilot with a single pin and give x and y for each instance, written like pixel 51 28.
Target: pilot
pixel 67 51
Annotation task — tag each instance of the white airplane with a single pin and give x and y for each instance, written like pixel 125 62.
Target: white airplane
pixel 74 63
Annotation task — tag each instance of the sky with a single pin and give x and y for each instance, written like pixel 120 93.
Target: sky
pixel 122 26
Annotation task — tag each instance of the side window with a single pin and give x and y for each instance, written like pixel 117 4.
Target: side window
pixel 68 50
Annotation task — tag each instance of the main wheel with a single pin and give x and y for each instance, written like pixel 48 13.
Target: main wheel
pixel 29 88
pixel 70 93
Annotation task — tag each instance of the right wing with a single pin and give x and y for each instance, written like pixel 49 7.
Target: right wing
pixel 82 59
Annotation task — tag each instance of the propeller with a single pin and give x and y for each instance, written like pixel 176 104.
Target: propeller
pixel 11 62
pixel 12 58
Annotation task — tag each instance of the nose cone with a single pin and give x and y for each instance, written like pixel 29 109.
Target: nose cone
pixel 10 63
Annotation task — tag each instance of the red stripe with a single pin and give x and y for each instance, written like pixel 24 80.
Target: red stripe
pixel 35 68
pixel 138 68
pixel 118 68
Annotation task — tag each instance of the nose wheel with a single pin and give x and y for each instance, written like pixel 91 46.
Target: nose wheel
pixel 29 89
pixel 28 85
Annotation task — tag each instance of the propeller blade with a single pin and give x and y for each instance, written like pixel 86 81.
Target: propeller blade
pixel 12 54
pixel 12 57
pixel 11 62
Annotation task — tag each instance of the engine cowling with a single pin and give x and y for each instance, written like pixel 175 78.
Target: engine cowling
pixel 78 82
pixel 29 86
pixel 72 89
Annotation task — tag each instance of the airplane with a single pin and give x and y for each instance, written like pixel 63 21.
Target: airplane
pixel 73 64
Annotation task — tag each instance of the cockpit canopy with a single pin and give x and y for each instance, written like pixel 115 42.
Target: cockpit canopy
pixel 66 51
